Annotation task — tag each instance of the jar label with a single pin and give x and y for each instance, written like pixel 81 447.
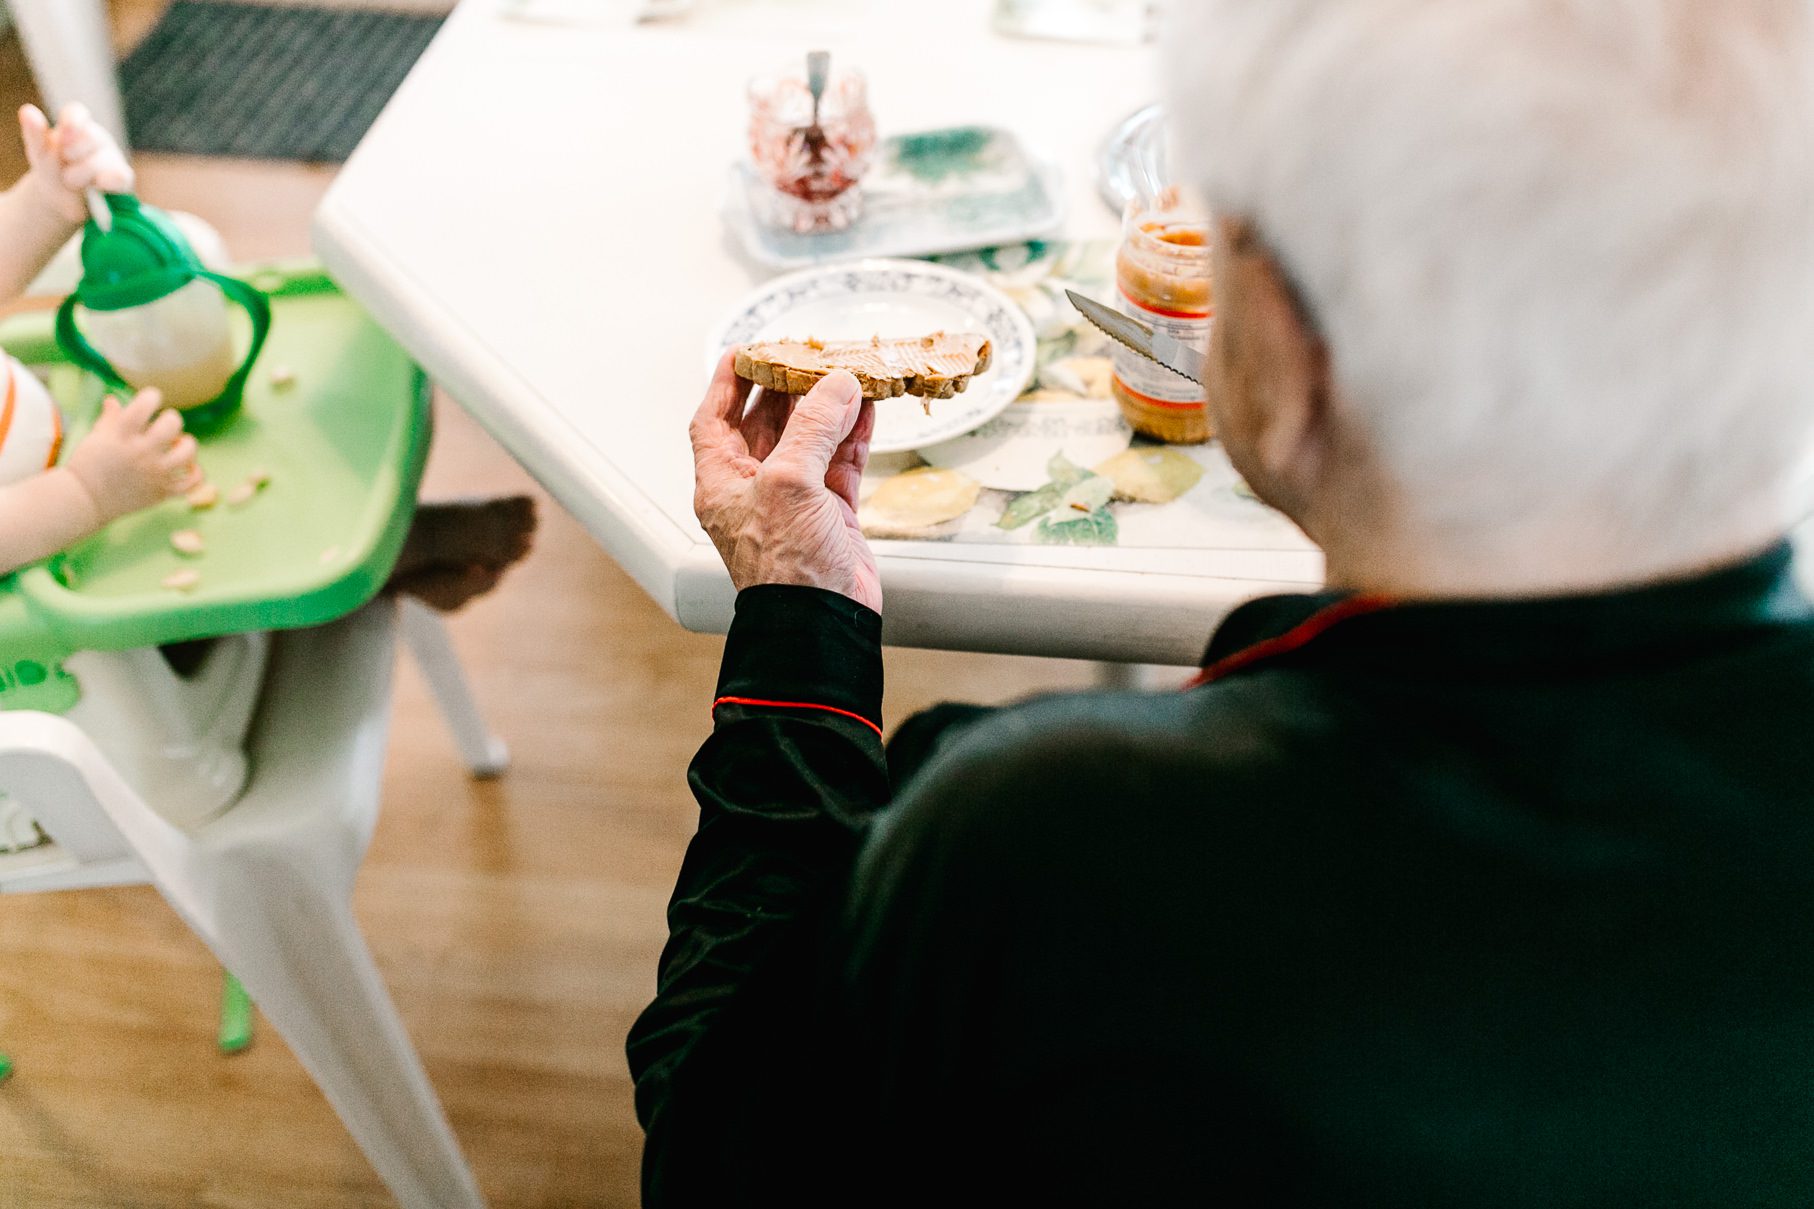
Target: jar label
pixel 1152 382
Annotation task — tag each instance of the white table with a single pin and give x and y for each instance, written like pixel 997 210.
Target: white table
pixel 535 217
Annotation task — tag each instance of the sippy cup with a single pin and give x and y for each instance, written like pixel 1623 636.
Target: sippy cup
pixel 156 317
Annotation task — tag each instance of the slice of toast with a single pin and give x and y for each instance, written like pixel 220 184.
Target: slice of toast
pixel 933 367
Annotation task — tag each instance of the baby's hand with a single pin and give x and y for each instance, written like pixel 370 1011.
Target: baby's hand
pixel 134 456
pixel 77 154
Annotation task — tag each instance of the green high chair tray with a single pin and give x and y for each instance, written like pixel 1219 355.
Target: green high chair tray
pixel 342 444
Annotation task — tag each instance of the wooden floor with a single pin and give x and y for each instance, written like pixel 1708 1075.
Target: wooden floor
pixel 516 922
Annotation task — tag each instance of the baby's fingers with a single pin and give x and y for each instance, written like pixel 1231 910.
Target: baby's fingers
pixel 109 421
pixel 113 176
pixel 188 480
pixel 80 175
pixel 138 413
pixel 74 120
pixel 34 130
pixel 163 430
pixel 180 454
pixel 77 144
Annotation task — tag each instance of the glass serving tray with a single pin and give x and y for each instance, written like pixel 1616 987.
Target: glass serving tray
pixel 947 190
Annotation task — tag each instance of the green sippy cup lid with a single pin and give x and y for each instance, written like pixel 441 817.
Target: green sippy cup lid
pixel 141 258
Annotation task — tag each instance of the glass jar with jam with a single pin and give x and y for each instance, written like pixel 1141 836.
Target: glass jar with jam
pixel 811 159
pixel 1162 278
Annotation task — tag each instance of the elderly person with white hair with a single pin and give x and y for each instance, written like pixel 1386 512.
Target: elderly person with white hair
pixel 1483 878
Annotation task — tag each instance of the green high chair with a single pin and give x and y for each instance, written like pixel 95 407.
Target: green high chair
pixel 255 847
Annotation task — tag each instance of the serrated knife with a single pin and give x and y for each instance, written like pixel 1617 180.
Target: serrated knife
pixel 1156 347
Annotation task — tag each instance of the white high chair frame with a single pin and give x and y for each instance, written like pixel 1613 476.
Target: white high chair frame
pixel 267 884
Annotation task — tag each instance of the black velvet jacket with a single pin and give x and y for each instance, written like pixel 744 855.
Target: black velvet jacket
pixel 1482 904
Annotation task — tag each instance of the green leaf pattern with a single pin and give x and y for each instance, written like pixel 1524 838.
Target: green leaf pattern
pixel 1072 509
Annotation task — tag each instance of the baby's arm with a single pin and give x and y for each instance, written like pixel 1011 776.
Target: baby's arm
pixel 134 457
pixel 45 206
pixel 42 515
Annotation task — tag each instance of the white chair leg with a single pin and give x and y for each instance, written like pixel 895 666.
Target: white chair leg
pixel 427 638
pixel 267 884
pixel 291 939
pixel 71 54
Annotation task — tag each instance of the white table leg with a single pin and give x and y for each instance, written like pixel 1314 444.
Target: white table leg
pixel 71 54
pixel 1120 677
pixel 1140 677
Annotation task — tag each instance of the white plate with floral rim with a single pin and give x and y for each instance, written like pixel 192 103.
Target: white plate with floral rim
pixel 896 298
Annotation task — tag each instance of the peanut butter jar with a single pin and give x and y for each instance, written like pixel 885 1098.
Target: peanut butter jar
pixel 1162 279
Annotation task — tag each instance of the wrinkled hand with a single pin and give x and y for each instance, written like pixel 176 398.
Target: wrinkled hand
pixel 76 154
pixel 134 457
pixel 776 486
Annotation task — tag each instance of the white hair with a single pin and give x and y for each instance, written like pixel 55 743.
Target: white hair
pixel 1561 251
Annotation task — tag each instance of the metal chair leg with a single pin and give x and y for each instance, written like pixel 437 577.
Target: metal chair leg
pixel 426 636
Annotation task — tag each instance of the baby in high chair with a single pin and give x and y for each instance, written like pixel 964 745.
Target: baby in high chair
pixel 137 454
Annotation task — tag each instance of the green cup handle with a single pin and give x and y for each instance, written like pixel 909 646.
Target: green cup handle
pixel 80 351
pixel 84 354
pixel 258 309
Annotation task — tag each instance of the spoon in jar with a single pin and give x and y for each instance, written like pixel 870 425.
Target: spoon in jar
pixel 818 71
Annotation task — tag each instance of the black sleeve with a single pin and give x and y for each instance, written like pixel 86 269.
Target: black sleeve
pixel 786 785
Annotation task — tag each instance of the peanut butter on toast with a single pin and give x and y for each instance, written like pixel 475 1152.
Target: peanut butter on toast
pixel 932 367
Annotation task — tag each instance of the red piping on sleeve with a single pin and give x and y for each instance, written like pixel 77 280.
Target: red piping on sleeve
pixel 830 709
pixel 1298 636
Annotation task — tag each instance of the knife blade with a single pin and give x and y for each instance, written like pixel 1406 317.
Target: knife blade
pixel 1157 347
